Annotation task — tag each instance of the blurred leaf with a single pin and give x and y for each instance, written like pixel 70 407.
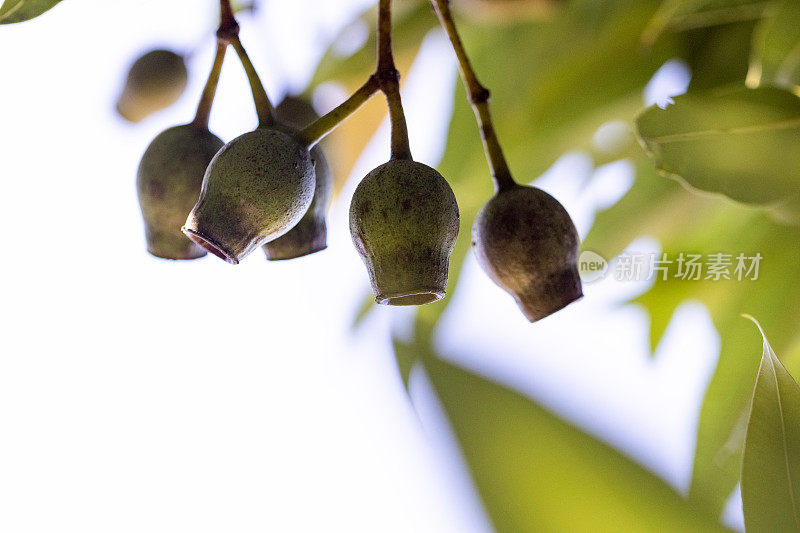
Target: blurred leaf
pixel 771 463
pixel 690 223
pixel 406 354
pixel 682 15
pixel 367 305
pixel 536 472
pixel 506 11
pixel 776 47
pixel 245 6
pixel 743 143
pixel 21 10
pixel 718 55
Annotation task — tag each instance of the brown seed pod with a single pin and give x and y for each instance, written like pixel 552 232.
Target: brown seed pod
pixel 404 224
pixel 155 81
pixel 168 182
pixel 311 233
pixel 256 188
pixel 526 242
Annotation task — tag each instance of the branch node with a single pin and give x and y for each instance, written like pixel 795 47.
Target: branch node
pixel 228 31
pixel 480 95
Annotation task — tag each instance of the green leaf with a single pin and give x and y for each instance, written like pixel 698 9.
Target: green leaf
pixel 771 464
pixel 691 223
pixel 536 472
pixel 21 10
pixel 742 143
pixel 681 15
pixel 718 55
pixel 776 47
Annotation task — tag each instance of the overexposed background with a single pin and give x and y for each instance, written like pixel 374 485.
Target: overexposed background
pixel 139 394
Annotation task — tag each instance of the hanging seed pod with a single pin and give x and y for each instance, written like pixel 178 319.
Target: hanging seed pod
pixel 256 188
pixel 526 242
pixel 168 182
pixel 404 224
pixel 155 81
pixel 310 235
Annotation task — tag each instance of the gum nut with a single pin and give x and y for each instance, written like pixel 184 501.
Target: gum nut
pixel 155 81
pixel 256 188
pixel 404 224
pixel 526 242
pixel 168 182
pixel 310 234
pixel 296 112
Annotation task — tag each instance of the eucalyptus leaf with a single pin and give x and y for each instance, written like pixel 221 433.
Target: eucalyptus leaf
pixel 536 472
pixel 776 47
pixel 681 15
pixel 771 463
pixel 21 10
pixel 742 143
pixel 689 223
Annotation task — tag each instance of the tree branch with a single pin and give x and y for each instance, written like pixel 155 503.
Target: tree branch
pixel 479 98
pixel 389 80
pixel 314 132
pixel 210 89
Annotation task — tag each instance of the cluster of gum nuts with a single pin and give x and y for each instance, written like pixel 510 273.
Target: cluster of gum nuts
pixel 268 188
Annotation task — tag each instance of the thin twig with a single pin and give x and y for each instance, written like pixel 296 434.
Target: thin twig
pixel 314 132
pixel 207 98
pixel 264 108
pixel 478 97
pixel 389 80
pixel 228 32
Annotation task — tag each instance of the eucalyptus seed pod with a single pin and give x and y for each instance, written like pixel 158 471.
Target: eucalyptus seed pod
pixel 155 81
pixel 256 188
pixel 310 235
pixel 526 242
pixel 168 182
pixel 404 224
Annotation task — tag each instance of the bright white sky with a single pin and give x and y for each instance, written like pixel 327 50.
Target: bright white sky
pixel 144 395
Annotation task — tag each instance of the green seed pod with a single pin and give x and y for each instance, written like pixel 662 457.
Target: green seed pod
pixel 311 233
pixel 526 242
pixel 404 224
pixel 168 182
pixel 155 81
pixel 296 112
pixel 256 188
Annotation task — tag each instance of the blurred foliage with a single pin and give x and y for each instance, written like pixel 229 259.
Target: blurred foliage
pixel 535 472
pixel 776 47
pixel 771 463
pixel 21 10
pixel 554 81
pixel 726 141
